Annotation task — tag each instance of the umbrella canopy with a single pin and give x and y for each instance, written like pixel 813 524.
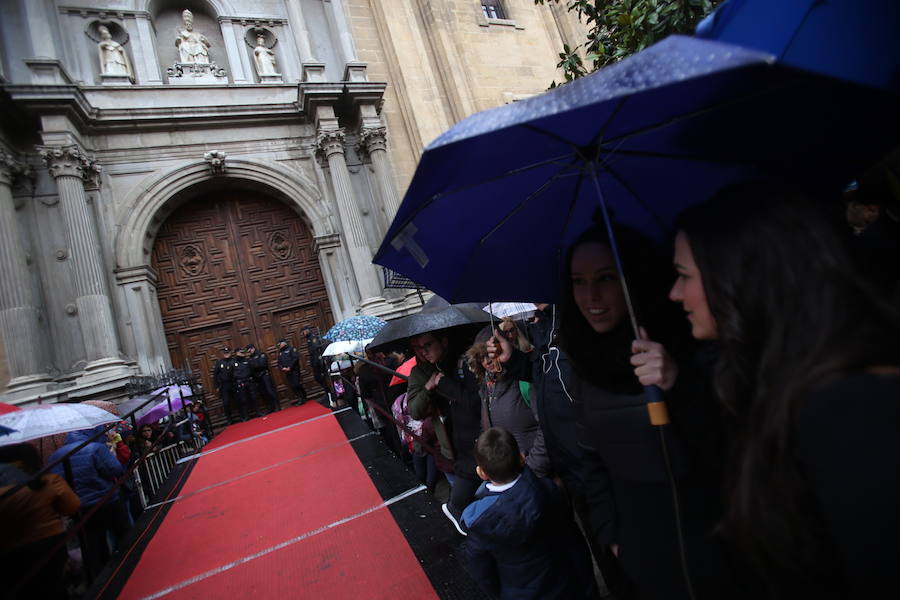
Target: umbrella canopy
pixel 436 314
pixel 50 419
pixel 404 369
pixel 654 133
pixel 856 40
pixel 346 347
pixel 161 409
pixel 362 327
pixel 5 408
pixel 105 405
pixel 518 310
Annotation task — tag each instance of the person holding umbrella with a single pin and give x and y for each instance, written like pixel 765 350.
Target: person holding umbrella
pixel 808 369
pixel 650 501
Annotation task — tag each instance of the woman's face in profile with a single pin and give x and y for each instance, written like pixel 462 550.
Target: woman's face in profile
pixel 596 286
pixel 689 291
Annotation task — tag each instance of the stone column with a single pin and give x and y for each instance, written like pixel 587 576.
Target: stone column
pixel 68 165
pixel 19 324
pixel 331 144
pixel 144 320
pixel 373 140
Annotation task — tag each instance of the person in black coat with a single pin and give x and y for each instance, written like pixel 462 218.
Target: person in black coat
pixel 808 368
pixel 317 364
pixel 244 385
pixel 259 363
pixel 650 498
pixel 223 380
pixel 523 542
pixel 289 364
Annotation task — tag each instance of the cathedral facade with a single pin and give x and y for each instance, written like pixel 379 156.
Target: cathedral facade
pixel 180 176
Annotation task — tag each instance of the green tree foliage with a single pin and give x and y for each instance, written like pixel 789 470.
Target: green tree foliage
pixel 617 28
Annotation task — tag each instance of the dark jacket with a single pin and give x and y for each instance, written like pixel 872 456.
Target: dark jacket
pixel 288 358
pixel 455 408
pixel 259 363
pixel 503 406
pixel 242 369
pixel 223 372
pixel 630 498
pixel 523 543
pixel 94 468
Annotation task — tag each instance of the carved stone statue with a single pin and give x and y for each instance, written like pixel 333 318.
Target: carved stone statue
pixel 113 59
pixel 264 57
pixel 193 47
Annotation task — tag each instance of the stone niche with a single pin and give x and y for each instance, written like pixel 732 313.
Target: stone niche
pixel 118 35
pixel 169 22
pixel 268 67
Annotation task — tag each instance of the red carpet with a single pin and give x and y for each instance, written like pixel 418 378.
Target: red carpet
pixel 291 513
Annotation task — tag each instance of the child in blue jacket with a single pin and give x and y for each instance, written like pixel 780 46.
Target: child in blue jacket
pixel 522 541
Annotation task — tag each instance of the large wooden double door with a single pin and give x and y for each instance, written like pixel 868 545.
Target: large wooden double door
pixel 237 268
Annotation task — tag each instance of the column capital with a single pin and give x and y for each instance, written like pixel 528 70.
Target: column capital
pixel 69 161
pixel 11 167
pixel 372 139
pixel 330 141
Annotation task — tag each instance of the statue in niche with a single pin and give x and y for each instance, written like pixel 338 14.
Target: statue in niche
pixel 113 59
pixel 193 47
pixel 264 57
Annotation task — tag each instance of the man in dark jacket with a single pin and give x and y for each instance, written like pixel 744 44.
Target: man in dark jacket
pixel 244 385
pixel 289 364
pixel 523 542
pixel 223 379
pixel 94 470
pixel 314 348
pixel 259 363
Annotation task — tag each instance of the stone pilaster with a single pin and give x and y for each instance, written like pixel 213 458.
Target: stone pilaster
pixel 69 166
pixel 373 141
pixel 19 324
pixel 298 28
pixel 331 145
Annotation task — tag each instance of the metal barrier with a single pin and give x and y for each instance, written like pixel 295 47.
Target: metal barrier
pixel 154 471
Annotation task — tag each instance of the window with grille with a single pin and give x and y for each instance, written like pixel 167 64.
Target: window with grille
pixel 493 9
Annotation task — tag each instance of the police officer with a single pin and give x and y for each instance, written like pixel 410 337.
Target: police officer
pixel 315 347
pixel 259 362
pixel 223 379
pixel 244 384
pixel 289 363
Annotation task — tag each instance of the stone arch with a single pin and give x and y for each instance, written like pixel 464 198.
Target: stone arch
pixel 149 204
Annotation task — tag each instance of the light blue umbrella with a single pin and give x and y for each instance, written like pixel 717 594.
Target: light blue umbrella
pixel 351 329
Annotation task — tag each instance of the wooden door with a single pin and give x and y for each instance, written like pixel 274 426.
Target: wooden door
pixel 233 269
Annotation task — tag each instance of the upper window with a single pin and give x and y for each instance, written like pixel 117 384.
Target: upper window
pixel 493 9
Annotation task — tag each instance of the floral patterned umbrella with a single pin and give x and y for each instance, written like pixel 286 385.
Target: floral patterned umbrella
pixel 361 327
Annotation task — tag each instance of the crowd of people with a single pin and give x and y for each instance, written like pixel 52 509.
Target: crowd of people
pixel 764 465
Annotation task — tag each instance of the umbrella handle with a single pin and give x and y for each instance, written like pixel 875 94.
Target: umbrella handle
pixel 656 405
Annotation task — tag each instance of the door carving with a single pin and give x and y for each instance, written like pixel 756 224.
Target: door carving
pixel 235 269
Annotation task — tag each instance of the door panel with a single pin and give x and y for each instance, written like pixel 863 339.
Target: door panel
pixel 235 269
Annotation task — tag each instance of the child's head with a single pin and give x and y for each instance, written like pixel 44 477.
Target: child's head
pixel 498 456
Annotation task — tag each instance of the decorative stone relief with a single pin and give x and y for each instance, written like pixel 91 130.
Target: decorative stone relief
pixel 330 141
pixel 372 139
pixel 193 57
pixel 280 245
pixel 71 310
pixel 216 161
pixel 11 168
pixel 192 260
pixel 70 161
pixel 62 254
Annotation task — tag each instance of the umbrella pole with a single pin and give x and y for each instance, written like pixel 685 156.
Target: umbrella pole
pixel 656 404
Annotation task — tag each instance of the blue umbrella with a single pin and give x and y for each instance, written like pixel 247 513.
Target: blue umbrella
pixel 363 327
pixel 856 40
pixel 661 130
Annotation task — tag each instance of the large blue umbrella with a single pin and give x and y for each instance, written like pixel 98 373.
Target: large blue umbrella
pixel 497 198
pixel 856 40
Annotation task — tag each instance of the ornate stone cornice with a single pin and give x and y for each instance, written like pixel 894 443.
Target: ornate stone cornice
pixel 216 161
pixel 69 161
pixel 11 167
pixel 372 139
pixel 330 141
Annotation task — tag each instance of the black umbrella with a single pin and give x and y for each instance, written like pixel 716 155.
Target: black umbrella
pixel 435 315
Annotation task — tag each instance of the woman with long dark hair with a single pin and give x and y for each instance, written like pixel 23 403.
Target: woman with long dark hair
pixel 654 509
pixel 809 370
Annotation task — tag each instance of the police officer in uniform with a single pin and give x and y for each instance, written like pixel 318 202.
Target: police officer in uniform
pixel 223 380
pixel 244 384
pixel 315 347
pixel 259 362
pixel 289 363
